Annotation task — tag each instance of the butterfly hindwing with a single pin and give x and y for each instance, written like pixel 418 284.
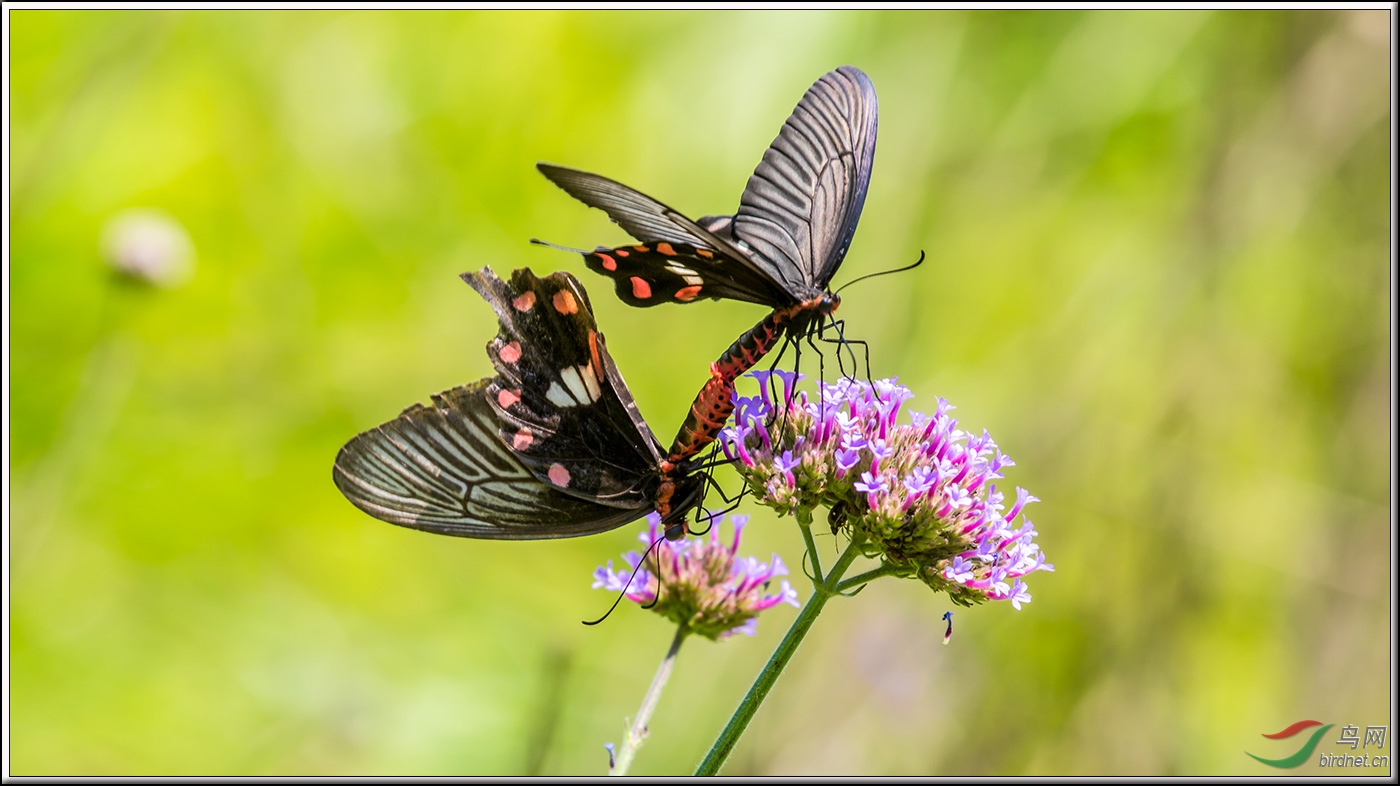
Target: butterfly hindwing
pixel 800 208
pixel 656 273
pixel 724 266
pixel 562 406
pixel 442 468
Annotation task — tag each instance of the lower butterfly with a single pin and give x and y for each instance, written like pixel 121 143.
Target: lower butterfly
pixel 553 446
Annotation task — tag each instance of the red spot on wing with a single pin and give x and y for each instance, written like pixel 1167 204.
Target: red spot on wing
pixel 608 262
pixel 622 252
pixel 525 302
pixel 507 398
pixel 510 353
pixel 642 249
pixel 665 248
pixel 703 253
pixel 640 288
pixel 688 294
pixel 564 302
pixel 558 475
pixel 523 439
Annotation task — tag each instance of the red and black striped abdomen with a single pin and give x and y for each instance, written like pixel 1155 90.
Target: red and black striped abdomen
pixel 715 402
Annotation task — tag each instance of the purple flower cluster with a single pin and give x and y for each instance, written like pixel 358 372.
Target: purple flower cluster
pixel 703 584
pixel 920 494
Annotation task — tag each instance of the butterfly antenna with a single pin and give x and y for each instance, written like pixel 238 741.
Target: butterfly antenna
pixel 660 568
pixel 628 585
pixel 558 247
pixel 884 273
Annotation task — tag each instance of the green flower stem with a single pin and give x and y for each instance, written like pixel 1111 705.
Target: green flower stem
pixel 804 522
pixel 822 592
pixel 866 577
pixel 637 732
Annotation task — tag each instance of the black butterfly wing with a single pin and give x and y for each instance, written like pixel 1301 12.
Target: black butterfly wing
pixel 562 405
pixel 705 249
pixel 800 208
pixel 442 468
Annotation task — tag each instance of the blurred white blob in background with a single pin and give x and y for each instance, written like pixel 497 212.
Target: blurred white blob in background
pixel 149 245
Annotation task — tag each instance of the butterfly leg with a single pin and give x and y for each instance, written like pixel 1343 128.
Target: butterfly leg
pixel 821 336
pixel 713 515
pixel 821 358
pixel 839 325
pixel 796 371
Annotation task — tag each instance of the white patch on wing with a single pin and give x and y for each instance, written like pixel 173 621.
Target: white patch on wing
pixel 580 387
pixel 590 379
pixel 694 281
pixel 558 397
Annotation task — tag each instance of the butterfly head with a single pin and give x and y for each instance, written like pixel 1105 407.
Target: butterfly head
pixel 810 313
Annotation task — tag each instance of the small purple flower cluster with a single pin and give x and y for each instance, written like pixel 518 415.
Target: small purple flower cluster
pixel 919 494
pixel 703 584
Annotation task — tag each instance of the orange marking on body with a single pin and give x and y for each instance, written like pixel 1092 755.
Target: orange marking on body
pixel 564 302
pixel 608 262
pixel 507 398
pixel 510 353
pixel 687 294
pixel 558 475
pixel 640 288
pixel 703 253
pixel 665 248
pixel 523 439
pixel 622 252
pixel 642 249
pixel 663 498
pixel 525 302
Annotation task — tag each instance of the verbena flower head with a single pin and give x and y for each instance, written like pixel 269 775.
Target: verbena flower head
pixel 921 493
pixel 703 583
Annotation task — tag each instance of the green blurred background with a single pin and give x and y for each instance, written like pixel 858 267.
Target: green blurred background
pixel 1159 273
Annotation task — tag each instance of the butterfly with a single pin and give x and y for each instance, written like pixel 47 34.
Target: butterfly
pixel 552 446
pixel 794 225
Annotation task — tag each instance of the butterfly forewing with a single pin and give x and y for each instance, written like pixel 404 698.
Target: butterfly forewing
pixel 801 206
pixel 638 214
pixel 563 408
pixel 442 468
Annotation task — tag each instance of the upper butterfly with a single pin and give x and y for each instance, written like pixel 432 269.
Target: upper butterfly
pixel 795 221
pixel 551 447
